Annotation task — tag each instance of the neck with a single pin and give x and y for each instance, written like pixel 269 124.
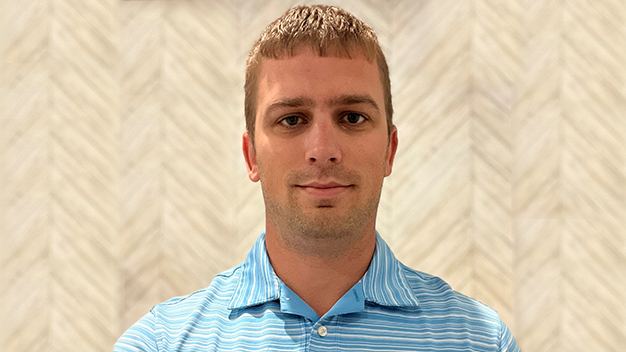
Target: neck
pixel 323 275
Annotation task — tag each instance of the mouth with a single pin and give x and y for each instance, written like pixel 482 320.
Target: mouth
pixel 325 189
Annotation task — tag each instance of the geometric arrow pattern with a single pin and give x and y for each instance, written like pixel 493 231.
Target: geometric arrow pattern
pixel 142 165
pixel 84 177
pixel 537 171
pixel 430 190
pixel 594 175
pixel 122 181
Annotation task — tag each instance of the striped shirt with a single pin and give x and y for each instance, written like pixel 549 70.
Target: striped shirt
pixel 392 308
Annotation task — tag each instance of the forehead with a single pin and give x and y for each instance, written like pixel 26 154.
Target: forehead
pixel 320 78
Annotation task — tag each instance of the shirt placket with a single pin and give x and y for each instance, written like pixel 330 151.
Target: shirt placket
pixel 324 335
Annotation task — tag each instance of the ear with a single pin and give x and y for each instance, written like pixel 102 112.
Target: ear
pixel 391 150
pixel 250 156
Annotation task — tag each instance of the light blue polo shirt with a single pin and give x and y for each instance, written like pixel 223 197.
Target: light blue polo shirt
pixel 392 308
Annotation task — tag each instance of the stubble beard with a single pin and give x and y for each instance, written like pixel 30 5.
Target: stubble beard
pixel 320 231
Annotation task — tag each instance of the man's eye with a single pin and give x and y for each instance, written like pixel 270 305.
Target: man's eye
pixel 354 118
pixel 291 120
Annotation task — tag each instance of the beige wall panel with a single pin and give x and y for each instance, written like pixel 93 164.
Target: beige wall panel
pixel 594 281
pixel 430 183
pixel 85 176
pixel 25 31
pixel 25 254
pixel 538 278
pixel 594 177
pixel 199 154
pixel 25 265
pixel 536 180
pixel 496 58
pixel 141 59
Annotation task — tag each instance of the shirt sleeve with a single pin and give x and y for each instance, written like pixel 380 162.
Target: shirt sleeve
pixel 507 341
pixel 140 337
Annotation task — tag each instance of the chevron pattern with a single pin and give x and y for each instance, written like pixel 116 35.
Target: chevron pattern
pixel 25 258
pixel 497 39
pixel 142 170
pixel 594 177
pixel 84 177
pixel 431 180
pixel 536 178
pixel 199 160
pixel 122 181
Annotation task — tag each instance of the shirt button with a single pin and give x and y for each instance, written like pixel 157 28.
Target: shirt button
pixel 322 331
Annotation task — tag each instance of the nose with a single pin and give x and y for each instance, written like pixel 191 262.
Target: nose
pixel 322 144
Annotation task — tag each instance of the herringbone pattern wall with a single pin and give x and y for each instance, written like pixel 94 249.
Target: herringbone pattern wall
pixel 122 182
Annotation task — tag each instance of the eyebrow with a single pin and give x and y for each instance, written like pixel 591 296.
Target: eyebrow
pixel 353 99
pixel 289 103
pixel 346 99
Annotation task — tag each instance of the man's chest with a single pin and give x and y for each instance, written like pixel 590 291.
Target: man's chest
pixel 272 330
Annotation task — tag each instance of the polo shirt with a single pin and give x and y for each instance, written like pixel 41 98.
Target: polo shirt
pixel 392 308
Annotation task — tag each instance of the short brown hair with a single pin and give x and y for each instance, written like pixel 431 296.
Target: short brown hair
pixel 327 30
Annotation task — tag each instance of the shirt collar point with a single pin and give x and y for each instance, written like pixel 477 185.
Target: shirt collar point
pixel 256 271
pixel 389 274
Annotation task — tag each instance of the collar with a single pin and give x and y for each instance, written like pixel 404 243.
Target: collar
pixel 351 302
pixel 258 283
pixel 384 283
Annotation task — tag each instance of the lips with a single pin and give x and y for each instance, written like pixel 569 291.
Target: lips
pixel 320 189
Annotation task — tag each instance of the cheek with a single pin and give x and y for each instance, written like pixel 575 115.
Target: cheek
pixel 275 163
pixel 368 155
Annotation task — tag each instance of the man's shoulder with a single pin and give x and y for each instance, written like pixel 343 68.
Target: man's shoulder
pixel 435 294
pixel 165 321
pixel 216 295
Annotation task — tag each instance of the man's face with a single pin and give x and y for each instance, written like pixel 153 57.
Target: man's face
pixel 321 146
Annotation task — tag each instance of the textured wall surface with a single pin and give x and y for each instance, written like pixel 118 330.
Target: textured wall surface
pixel 122 181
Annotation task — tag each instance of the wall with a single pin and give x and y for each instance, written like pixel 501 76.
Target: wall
pixel 123 182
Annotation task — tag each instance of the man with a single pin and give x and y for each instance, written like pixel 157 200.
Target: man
pixel 320 139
